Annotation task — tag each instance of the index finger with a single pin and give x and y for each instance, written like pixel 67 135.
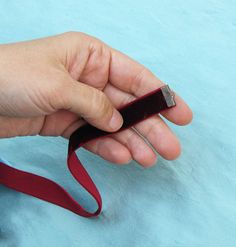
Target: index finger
pixel 132 77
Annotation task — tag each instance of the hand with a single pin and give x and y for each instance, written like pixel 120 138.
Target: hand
pixel 52 86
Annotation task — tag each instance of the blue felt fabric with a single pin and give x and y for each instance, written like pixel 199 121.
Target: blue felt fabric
pixel 188 202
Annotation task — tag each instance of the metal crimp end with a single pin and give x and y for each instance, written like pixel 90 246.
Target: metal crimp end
pixel 168 95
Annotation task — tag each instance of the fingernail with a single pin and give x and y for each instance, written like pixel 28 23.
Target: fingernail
pixel 116 120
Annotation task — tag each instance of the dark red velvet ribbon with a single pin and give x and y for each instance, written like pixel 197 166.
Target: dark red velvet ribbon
pixel 47 190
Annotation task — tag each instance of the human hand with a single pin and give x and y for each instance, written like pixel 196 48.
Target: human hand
pixel 52 86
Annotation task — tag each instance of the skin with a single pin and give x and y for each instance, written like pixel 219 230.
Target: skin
pixel 54 85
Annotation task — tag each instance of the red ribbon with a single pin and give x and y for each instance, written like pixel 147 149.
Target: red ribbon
pixel 49 191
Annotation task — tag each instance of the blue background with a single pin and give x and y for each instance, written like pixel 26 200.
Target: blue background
pixel 188 202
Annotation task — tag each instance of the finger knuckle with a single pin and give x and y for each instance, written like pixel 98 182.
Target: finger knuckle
pixel 71 34
pixel 74 36
pixel 101 105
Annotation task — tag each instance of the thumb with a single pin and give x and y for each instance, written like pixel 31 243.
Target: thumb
pixel 93 105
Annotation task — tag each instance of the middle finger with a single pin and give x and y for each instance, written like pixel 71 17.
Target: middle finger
pixel 154 129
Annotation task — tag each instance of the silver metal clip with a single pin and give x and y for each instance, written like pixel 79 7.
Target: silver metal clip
pixel 168 95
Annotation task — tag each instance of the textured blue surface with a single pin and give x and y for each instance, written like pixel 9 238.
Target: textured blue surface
pixel 188 202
